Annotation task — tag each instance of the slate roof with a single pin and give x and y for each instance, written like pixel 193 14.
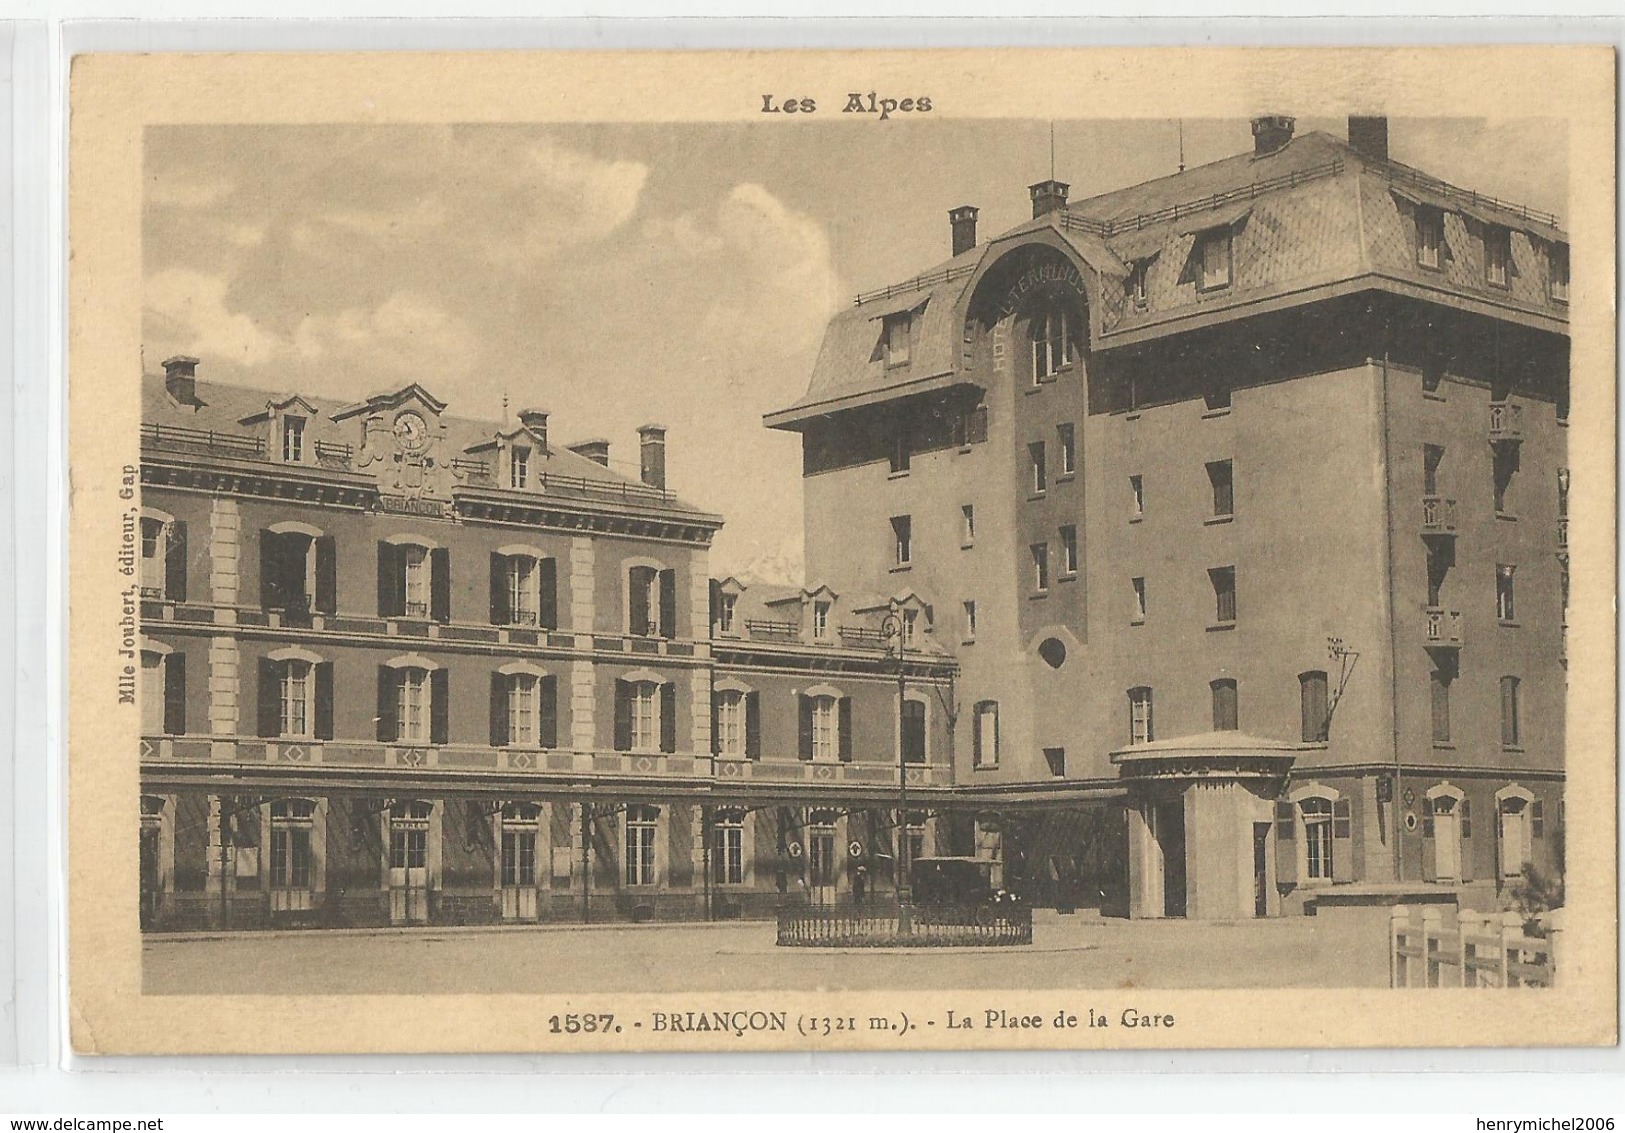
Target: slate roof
pixel 1313 214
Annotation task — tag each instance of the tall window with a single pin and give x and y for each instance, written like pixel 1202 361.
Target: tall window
pixel 412 705
pixel 645 716
pixel 1432 459
pixel 897 329
pixel 293 439
pixel 523 593
pixel 1067 441
pixel 523 709
pixel 1559 257
pixel 1505 608
pixel 1497 255
pixel 824 735
pixel 986 736
pixel 820 621
pixel 1136 502
pixel 1052 337
pixel 1511 725
pixel 152 693
pixel 409 835
pixel 1035 453
pixel 970 620
pixel 911 625
pixel 651 602
pixel 728 848
pixel 1040 553
pixel 294 687
pixel 642 823
pixel 731 722
pixel 902 528
pixel 1224 494
pixel 1224 705
pixel 1314 706
pixel 1439 686
pixel 416 560
pixel 1140 730
pixel 1224 594
pixel 1429 235
pixel 1214 260
pixel 152 558
pixel 967 524
pixel 902 447
pixel 1069 550
pixel 1137 610
pixel 518 467
pixel 292 856
pixel 725 613
pixel 520 823
pixel 1317 838
pixel 911 731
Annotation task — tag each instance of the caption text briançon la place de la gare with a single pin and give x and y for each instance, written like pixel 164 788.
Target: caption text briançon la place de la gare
pixel 739 1023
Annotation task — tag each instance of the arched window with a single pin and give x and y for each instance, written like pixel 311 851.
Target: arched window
pixel 414 579
pixel 524 588
pixel 642 824
pixel 1317 837
pixel 651 600
pixel 912 730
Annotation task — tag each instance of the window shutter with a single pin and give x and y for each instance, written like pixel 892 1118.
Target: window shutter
pixel 547 693
pixel 270 699
pixel 1537 819
pixel 175 563
pixel 668 717
pixel 978 756
pixel 845 728
pixel 976 425
pixel 327 575
pixel 388 727
pixel 716 601
pixel 806 725
pixel 440 586
pixel 175 694
pixel 391 584
pixel 547 578
pixel 1342 841
pixel 439 707
pixel 270 570
pixel 1430 848
pixel 499 589
pixel 668 604
pixel 623 716
pixel 499 708
pixel 716 721
pixel 324 700
pixel 1427 817
pixel 1465 810
pixel 638 600
pixel 753 725
pixel 1286 843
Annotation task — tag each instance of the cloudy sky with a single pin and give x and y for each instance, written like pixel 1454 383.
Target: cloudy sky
pixel 621 274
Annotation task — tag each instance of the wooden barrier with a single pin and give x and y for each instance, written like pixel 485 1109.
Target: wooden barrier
pixel 1479 950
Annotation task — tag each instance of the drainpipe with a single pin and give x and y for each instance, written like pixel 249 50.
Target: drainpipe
pixel 1393 622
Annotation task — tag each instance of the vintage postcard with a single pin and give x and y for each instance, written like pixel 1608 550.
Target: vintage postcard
pixel 866 550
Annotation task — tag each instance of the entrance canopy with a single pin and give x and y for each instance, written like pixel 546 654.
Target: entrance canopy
pixel 1228 755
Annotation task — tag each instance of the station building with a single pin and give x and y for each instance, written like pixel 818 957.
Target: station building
pixel 1198 549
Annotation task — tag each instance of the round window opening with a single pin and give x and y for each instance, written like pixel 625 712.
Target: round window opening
pixel 1053 651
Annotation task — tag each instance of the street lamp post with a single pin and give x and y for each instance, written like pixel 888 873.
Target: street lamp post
pixel 892 629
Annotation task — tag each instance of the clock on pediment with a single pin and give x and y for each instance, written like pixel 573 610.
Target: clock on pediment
pixel 411 432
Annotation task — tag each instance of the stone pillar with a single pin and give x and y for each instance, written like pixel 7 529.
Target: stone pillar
pixel 582 558
pixel 225 685
pixel 225 547
pixel 1218 851
pixel 583 704
pixel 1144 863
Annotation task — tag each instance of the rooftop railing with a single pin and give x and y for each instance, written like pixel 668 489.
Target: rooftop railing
pixel 238 446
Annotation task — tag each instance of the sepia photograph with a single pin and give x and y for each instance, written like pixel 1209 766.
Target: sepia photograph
pixel 851 547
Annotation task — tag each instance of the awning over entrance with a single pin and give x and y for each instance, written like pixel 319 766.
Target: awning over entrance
pixel 1227 755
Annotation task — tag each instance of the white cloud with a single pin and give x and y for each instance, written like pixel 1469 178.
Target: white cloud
pixel 407 334
pixel 187 312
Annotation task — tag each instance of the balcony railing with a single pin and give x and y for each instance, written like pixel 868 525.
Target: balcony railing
pixel 205 442
pixel 783 631
pixel 478 473
pixel 1506 422
pixel 331 455
pixel 1443 628
pixel 1438 515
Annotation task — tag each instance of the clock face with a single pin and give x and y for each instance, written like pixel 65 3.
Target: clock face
pixel 411 432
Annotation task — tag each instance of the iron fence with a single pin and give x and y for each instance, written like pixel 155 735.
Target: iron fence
pixel 926 926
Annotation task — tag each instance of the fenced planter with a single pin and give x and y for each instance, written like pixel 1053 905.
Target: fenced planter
pixel 927 926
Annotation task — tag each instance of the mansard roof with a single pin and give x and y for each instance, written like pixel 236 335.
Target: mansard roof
pixel 1311 219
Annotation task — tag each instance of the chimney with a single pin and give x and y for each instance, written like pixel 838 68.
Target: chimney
pixel 180 378
pixel 1048 196
pixel 596 450
pixel 1369 137
pixel 963 220
pixel 652 449
pixel 535 423
pixel 1271 132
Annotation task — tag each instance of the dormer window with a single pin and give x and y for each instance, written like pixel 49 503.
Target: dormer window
pixel 725 613
pixel 911 620
pixel 293 439
pixel 1214 259
pixel 1429 236
pixel 1497 256
pixel 519 468
pixel 896 333
pixel 1136 283
pixel 820 621
pixel 1559 258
